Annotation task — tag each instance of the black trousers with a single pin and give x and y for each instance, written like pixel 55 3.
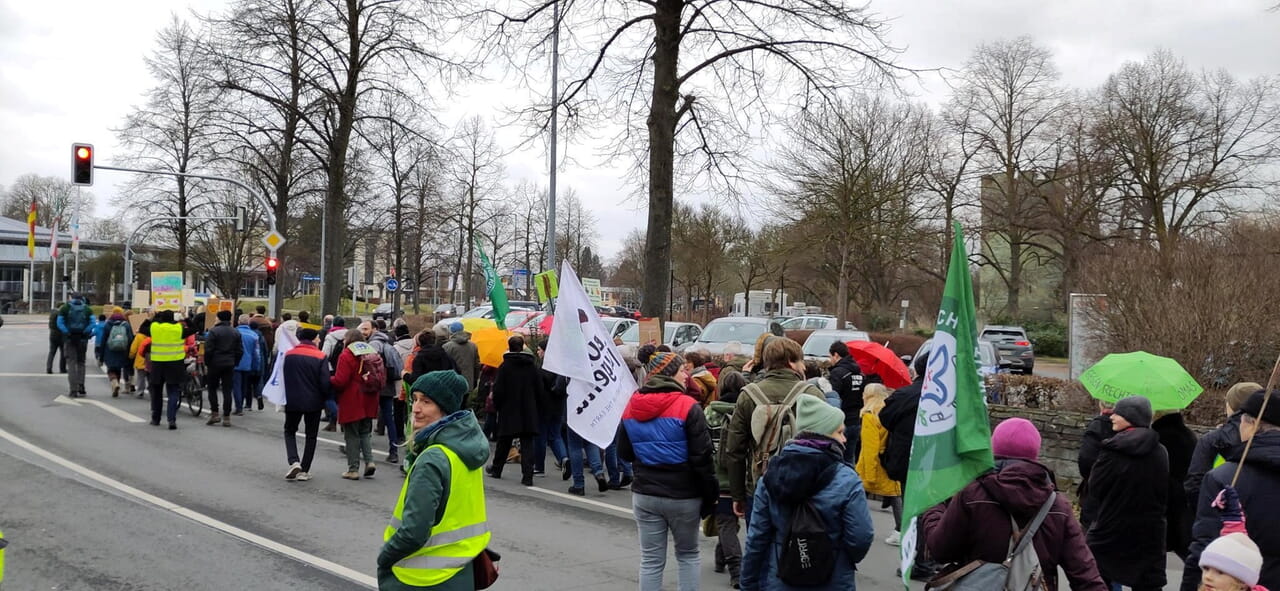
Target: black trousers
pixel 55 348
pixel 401 411
pixel 311 423
pixel 224 378
pixel 526 454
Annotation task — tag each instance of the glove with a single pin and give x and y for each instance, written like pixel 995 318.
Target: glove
pixel 1228 504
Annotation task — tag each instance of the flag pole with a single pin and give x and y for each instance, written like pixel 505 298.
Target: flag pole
pixel 31 288
pixel 75 245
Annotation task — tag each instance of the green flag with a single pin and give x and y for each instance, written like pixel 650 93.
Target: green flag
pixel 952 444
pixel 497 293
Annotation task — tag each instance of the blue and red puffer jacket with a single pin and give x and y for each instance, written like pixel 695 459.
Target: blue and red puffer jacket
pixel 665 435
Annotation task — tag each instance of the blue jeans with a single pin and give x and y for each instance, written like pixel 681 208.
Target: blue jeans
pixel 549 436
pixel 386 406
pixel 244 388
pixel 616 466
pixel 655 517
pixel 576 446
pixel 332 406
pixel 157 395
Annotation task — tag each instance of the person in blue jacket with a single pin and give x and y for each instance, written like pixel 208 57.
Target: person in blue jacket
pixel 249 366
pixel 809 468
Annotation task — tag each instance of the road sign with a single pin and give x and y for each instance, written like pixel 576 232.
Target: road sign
pixel 393 284
pixel 406 285
pixel 274 240
pixel 548 285
pixel 306 277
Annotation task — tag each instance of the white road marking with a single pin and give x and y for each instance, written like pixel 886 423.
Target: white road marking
pixel 62 399
pixel 272 545
pixel 62 376
pixel 577 499
pixel 115 411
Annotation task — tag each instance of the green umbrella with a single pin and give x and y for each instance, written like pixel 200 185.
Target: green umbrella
pixel 1158 379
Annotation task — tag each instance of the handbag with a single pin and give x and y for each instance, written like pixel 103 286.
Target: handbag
pixel 1020 570
pixel 485 568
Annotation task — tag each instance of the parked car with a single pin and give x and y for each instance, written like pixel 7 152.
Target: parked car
pixel 818 345
pixel 486 311
pixel 446 311
pixel 386 312
pixel 743 329
pixel 815 322
pixel 989 361
pixel 674 334
pixel 617 326
pixel 1013 345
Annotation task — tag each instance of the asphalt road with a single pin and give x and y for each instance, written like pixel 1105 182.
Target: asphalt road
pixel 92 497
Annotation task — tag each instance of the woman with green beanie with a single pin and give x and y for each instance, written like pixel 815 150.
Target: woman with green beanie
pixel 438 526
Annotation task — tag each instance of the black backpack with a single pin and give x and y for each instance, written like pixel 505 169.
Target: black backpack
pixel 808 556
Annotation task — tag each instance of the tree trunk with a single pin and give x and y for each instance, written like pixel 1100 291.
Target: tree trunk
pixel 335 194
pixel 1015 278
pixel 662 126
pixel 182 222
pixel 471 240
pixel 842 287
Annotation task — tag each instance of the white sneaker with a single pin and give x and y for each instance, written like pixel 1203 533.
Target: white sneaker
pixel 303 476
pixel 894 539
pixel 294 470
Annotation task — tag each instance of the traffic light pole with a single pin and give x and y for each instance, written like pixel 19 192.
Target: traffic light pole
pixel 128 244
pixel 262 202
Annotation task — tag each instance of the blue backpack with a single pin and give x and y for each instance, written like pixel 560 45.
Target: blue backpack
pixel 79 317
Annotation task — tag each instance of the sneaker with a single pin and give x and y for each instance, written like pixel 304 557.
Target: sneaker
pixel 294 470
pixel 492 474
pixel 527 481
pixel 539 472
pixel 894 539
pixel 351 475
pixel 239 413
pixel 226 420
pixel 155 423
pixel 304 476
pixel 575 490
pixel 260 408
pixel 602 483
pixel 331 427
pixel 733 583
pixel 564 470
pixel 393 458
pixel 173 426
pixel 369 469
pixel 214 419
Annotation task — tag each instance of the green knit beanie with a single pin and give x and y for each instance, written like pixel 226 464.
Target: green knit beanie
pixel 446 388
pixel 816 415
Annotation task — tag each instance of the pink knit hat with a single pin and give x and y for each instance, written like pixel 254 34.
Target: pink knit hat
pixel 1016 438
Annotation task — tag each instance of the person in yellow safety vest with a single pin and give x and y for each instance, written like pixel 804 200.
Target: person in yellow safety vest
pixel 3 543
pixel 168 366
pixel 438 526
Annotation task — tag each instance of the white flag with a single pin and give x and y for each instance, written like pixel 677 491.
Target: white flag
pixel 581 349
pixel 286 340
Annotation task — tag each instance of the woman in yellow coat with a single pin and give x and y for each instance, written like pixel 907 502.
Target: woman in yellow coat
pixel 138 353
pixel 874 479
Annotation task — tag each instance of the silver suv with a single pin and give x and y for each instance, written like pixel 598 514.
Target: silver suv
pixel 1014 347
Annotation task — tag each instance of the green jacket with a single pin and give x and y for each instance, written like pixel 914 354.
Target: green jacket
pixel 739 445
pixel 429 494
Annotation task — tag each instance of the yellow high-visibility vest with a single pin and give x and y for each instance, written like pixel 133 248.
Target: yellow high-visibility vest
pixel 2 545
pixel 461 535
pixel 167 343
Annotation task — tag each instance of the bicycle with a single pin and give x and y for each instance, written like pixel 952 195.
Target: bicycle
pixel 193 387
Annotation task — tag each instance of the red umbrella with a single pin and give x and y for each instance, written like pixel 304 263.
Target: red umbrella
pixel 875 358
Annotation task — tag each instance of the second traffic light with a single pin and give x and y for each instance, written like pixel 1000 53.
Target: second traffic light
pixel 273 265
pixel 82 164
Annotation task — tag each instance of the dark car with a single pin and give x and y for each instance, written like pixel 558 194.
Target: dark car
pixel 1013 345
pixel 386 312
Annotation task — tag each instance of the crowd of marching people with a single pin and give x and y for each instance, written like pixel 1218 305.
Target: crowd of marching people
pixel 774 458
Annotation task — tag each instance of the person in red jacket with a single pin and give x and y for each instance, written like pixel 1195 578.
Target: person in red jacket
pixel 356 410
pixel 974 525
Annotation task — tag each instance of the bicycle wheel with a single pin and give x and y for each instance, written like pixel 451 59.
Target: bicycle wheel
pixel 195 399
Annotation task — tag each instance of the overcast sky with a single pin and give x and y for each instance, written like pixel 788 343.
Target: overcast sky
pixel 71 70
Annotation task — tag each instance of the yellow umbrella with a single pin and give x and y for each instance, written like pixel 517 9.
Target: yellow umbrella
pixel 492 344
pixel 472 325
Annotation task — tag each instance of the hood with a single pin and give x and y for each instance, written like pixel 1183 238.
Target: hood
pixel 1135 442
pixel 461 433
pixel 803 468
pixel 1020 485
pixel 380 337
pixel 646 406
pixel 780 375
pixel 850 364
pixel 336 334
pixel 461 337
pixel 822 383
pixel 660 383
pixel 520 359
pixel 1264 454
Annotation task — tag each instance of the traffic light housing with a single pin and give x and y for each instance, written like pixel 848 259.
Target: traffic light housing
pixel 273 265
pixel 82 164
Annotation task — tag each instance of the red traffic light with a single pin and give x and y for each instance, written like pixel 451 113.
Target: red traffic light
pixel 83 152
pixel 272 263
pixel 82 164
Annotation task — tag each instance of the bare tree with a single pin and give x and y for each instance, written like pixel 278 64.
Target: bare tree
pixel 221 254
pixel 359 49
pixel 55 198
pixel 173 131
pixel 850 176
pixel 402 149
pixel 1008 99
pixel 477 172
pixel 741 61
pixel 1187 143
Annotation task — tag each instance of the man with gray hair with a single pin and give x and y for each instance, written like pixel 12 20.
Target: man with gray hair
pixel 731 358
